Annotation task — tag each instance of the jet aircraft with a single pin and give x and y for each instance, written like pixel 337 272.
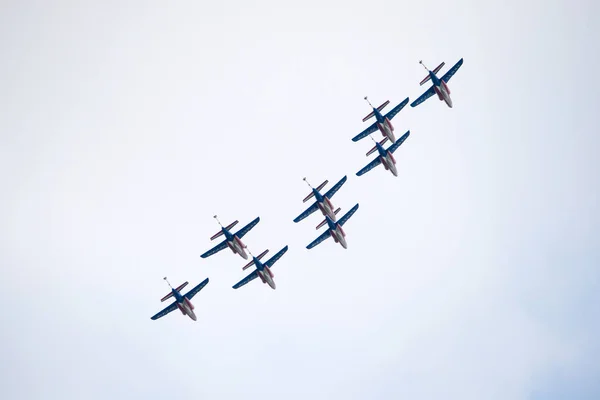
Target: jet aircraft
pixel 182 302
pixel 263 270
pixel 385 157
pixel 383 123
pixel 440 86
pixel 233 241
pixel 323 202
pixel 335 230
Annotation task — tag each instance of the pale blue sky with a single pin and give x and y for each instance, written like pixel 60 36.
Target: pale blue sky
pixel 127 125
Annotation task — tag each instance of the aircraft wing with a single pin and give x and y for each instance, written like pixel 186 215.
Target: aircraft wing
pixel 396 109
pixel 253 275
pixel 395 146
pixel 430 92
pixel 335 188
pixel 318 240
pixel 215 249
pixel 276 257
pixel 240 234
pixel 452 71
pixel 195 290
pixel 349 214
pixel 365 133
pixel 370 165
pixel 164 312
pixel 307 212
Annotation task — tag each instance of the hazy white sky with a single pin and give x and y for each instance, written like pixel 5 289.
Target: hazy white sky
pixel 126 126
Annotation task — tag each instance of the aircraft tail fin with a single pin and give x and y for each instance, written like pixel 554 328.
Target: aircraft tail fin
pixel 228 227
pixel 179 288
pixel 372 113
pixel 325 220
pixel 311 194
pixel 375 147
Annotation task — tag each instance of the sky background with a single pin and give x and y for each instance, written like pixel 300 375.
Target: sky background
pixel 126 126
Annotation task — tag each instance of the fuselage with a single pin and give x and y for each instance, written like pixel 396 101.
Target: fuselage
pixel 385 126
pixel 337 233
pixel 264 273
pixel 387 159
pixel 441 89
pixel 185 306
pixel 325 205
pixel 235 244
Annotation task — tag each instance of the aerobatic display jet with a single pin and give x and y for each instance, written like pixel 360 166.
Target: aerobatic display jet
pixel 232 240
pixel 383 122
pixel 440 86
pixel 335 230
pixel 385 157
pixel 263 270
pixel 182 302
pixel 323 202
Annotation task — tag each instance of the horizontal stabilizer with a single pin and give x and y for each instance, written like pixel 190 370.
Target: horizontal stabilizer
pixel 325 220
pixel 312 193
pixel 322 185
pixel 184 284
pixel 228 227
pixel 261 255
pixel 231 225
pixel 381 107
pixel 375 147
pixel 251 263
pixel 216 235
pixel 437 69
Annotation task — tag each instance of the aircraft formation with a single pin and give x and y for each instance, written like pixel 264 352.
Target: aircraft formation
pixel 322 201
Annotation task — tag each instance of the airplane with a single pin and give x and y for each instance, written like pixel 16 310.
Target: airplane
pixel 323 202
pixel 263 270
pixel 440 86
pixel 182 302
pixel 335 230
pixel 233 241
pixel 383 123
pixel 386 157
